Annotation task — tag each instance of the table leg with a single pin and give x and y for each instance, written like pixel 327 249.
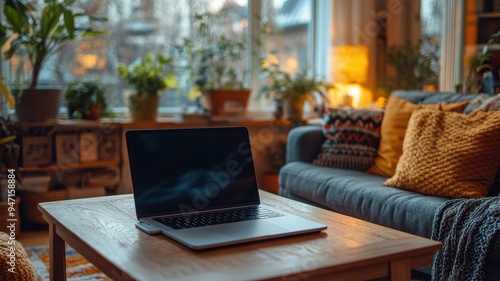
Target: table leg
pixel 400 270
pixel 57 255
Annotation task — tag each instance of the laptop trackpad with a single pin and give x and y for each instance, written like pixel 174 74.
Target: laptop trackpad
pixel 249 229
pixel 224 233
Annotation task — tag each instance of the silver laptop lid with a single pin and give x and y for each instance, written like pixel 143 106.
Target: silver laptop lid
pixel 190 170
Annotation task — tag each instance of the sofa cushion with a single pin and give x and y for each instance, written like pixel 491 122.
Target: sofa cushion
pixel 360 195
pixel 352 138
pixel 449 154
pixel 420 97
pixel 397 114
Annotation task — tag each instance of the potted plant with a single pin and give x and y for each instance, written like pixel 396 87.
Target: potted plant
pixel 290 92
pixel 216 65
pixel 85 99
pixel 414 66
pixel 149 75
pixel 38 35
pixel 9 149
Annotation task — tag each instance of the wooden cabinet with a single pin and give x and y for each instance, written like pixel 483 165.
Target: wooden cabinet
pixel 74 153
pixel 89 158
pixel 66 159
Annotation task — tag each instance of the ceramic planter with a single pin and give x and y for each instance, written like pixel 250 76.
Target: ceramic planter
pixel 38 104
pixel 294 107
pixel 94 112
pixel 227 102
pixel 143 107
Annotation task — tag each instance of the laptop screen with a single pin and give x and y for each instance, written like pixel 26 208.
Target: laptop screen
pixel 191 170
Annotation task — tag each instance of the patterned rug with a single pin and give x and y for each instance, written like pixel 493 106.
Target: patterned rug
pixel 77 267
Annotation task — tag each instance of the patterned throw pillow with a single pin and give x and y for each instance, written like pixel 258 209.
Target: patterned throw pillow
pixel 476 102
pixel 449 154
pixel 485 102
pixel 352 138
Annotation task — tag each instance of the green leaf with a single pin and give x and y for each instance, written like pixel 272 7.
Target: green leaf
pixel 8 96
pixel 69 21
pixel 15 18
pixel 49 21
pixel 40 33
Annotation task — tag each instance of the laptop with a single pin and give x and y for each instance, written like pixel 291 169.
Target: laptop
pixel 198 187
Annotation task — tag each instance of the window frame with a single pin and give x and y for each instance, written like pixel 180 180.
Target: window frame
pixel 321 24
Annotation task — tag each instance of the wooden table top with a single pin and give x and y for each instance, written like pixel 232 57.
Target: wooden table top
pixel 102 229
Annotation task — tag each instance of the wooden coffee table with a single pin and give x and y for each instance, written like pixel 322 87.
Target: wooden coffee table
pixel 102 230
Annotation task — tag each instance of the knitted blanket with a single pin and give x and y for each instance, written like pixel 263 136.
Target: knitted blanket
pixel 466 228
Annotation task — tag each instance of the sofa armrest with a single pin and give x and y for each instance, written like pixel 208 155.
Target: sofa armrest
pixel 304 143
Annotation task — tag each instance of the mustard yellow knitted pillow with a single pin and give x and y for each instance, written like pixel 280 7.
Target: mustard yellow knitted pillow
pixel 449 154
pixel 21 268
pixel 392 132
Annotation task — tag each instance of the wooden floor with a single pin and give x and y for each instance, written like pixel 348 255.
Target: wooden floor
pixel 34 238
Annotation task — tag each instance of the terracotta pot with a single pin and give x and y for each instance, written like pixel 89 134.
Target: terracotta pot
pixel 94 112
pixel 39 104
pixel 227 102
pixel 293 107
pixel 143 107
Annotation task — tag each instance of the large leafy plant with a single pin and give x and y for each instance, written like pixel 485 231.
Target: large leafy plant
pixel 214 59
pixel 149 74
pixel 41 33
pixel 413 66
pixel 281 85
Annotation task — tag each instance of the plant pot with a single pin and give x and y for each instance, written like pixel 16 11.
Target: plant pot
pixel 143 107
pixel 94 112
pixel 38 104
pixel 227 102
pixel 293 107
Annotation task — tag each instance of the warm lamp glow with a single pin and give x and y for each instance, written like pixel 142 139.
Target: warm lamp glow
pixel 349 63
pixel 348 94
pixel 354 91
pixel 349 68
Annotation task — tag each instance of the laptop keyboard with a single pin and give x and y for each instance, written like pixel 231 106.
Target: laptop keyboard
pixel 218 217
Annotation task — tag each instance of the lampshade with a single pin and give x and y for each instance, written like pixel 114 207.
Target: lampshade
pixel 349 63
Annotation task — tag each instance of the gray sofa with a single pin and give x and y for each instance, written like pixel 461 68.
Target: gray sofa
pixel 362 195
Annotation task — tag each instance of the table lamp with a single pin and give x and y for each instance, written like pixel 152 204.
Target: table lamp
pixel 349 69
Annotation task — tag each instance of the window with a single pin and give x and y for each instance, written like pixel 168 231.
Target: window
pixel 287 25
pixel 431 13
pixel 137 27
